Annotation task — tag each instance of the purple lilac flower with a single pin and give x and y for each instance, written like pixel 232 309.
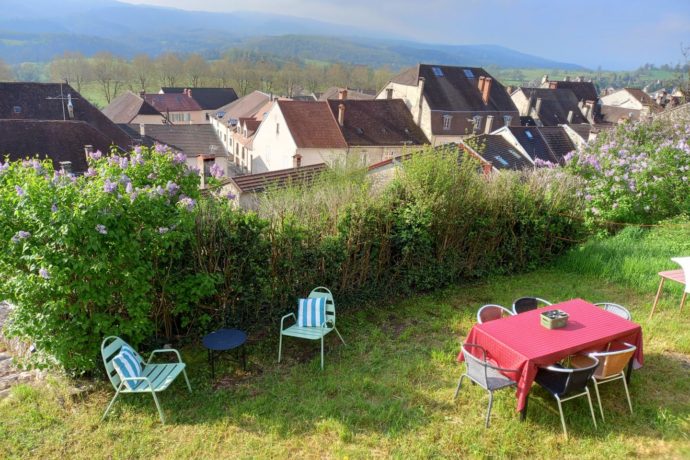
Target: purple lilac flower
pixel 152 176
pixel 133 196
pixel 217 171
pixel 589 197
pixel 160 148
pixel 138 159
pixel 114 160
pixel 124 179
pixel 109 187
pixel 124 162
pixel 179 158
pixel 96 155
pixel 137 149
pixel 44 274
pixel 4 166
pixel 569 156
pixel 90 172
pixel 101 229
pixel 160 190
pixel 54 208
pixel 20 235
pixel 172 188
pixel 129 188
pixel 20 191
pixel 187 202
pixel 230 196
pixel 163 230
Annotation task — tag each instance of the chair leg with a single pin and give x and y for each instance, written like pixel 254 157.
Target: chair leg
pixel 184 372
pixel 596 390
pixel 158 406
pixel 591 407
pixel 341 337
pixel 457 390
pixel 560 411
pixel 658 294
pixel 280 346
pixel 488 411
pixel 112 401
pixel 627 393
pixel 682 301
pixel 321 352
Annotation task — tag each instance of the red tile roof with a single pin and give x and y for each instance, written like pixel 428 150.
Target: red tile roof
pixel 312 124
pixel 278 179
pixel 172 102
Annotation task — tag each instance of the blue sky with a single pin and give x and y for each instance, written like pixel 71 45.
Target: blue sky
pixel 616 34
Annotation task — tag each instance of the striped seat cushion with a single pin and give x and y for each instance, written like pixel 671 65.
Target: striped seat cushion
pixel 127 366
pixel 311 312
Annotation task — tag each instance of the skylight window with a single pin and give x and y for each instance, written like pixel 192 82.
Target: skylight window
pixel 501 160
pixel 468 73
pixel 437 71
pixel 17 109
pixel 514 153
pixel 529 134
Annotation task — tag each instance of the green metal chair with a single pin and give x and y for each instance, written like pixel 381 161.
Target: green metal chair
pixel 312 333
pixel 154 377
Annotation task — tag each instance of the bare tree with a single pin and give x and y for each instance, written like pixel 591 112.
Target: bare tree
pixel 266 71
pixel 111 72
pixel 245 76
pixel 72 67
pixel 289 77
pixel 6 73
pixel 142 70
pixel 222 71
pixel 313 77
pixel 195 68
pixel 337 74
pixel 28 71
pixel 169 68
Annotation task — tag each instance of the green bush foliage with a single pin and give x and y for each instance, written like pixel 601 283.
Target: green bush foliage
pixel 637 173
pixel 164 265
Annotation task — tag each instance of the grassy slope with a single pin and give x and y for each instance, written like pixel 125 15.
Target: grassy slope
pixel 388 393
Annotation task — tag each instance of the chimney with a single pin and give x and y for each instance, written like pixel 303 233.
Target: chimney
pixel 342 94
pixel 537 107
pixel 70 106
pixel 530 101
pixel 581 78
pixel 567 78
pixel 570 117
pixel 142 93
pixel 487 89
pixel 88 149
pixel 589 110
pixel 480 83
pixel 487 168
pixel 142 130
pixel 189 92
pixel 66 167
pixel 420 83
pixel 341 114
pixel 489 124
pixel 544 79
pixel 507 119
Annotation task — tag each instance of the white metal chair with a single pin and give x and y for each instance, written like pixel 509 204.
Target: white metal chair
pixel 492 312
pixel 485 375
pixel 612 366
pixel 524 304
pixel 315 332
pixel 615 309
pixel 684 263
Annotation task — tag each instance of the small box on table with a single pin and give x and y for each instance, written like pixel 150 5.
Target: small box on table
pixel 554 319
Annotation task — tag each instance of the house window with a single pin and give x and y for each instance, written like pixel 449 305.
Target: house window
pixel 468 73
pixel 446 121
pixel 17 109
pixel 277 128
pixel 507 119
pixel 297 161
pixel 437 71
pixel 208 162
pixel 389 93
pixel 501 160
pixel 477 122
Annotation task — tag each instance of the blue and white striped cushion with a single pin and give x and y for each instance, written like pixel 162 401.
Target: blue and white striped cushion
pixel 127 366
pixel 311 312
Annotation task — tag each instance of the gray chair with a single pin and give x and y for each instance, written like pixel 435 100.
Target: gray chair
pixel 491 312
pixel 615 309
pixel 524 304
pixel 484 374
pixel 565 383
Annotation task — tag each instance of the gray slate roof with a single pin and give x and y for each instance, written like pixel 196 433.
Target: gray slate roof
pixel 192 140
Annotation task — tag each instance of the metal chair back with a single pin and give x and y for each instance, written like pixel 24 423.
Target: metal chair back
pixel 524 304
pixel 492 312
pixel 476 368
pixel 615 309
pixel 319 292
pixel 564 381
pixel 613 362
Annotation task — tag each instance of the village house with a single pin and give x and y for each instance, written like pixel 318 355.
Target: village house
pixel 132 108
pixel 334 93
pixel 627 104
pixel 585 92
pixel 450 103
pixel 54 121
pixel 210 100
pixel 300 133
pixel 541 144
pixel 550 106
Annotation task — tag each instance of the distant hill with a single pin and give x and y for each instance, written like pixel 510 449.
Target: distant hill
pixel 38 30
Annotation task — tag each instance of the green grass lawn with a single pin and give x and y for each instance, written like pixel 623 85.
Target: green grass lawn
pixel 388 393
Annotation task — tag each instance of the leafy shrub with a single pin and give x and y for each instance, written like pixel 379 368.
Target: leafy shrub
pixel 637 173
pixel 84 257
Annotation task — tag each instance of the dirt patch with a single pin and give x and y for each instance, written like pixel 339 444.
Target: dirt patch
pixel 681 358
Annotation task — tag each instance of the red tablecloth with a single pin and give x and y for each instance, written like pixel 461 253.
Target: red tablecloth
pixel 520 342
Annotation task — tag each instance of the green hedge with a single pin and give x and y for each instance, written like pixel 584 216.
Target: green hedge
pixel 168 266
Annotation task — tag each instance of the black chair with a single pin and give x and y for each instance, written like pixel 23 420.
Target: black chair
pixel 485 375
pixel 524 304
pixel 567 383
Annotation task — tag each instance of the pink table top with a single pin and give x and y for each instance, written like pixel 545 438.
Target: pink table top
pixel 520 342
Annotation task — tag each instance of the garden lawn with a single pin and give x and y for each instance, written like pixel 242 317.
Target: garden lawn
pixel 388 393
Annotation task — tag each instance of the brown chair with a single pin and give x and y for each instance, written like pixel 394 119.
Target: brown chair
pixel 491 312
pixel 612 366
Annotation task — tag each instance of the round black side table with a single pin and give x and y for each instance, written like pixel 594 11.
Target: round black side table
pixel 224 340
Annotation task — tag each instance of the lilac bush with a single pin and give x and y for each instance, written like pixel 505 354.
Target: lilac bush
pixel 637 173
pixel 89 256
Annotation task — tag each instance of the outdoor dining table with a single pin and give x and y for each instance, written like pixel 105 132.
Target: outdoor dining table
pixel 520 342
